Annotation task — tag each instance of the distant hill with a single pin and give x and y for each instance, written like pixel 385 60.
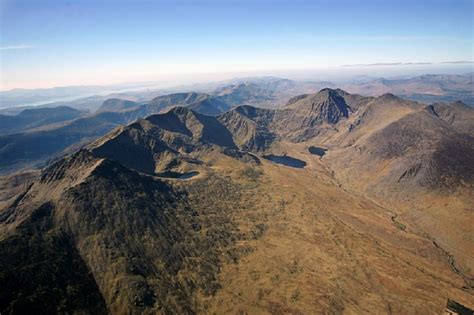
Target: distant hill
pixel 210 106
pixel 25 149
pixel 266 92
pixel 36 117
pixel 116 105
pixel 200 102
pixel 177 99
pixel 425 88
pixel 243 93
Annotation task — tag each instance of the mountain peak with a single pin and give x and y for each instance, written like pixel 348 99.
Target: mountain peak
pixel 460 104
pixel 328 105
pixel 180 110
pixel 389 97
pixel 332 92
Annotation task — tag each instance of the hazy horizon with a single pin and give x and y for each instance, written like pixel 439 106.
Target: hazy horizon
pixel 333 75
pixel 46 43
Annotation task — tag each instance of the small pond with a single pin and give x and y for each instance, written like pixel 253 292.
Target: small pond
pixel 177 175
pixel 317 151
pixel 286 160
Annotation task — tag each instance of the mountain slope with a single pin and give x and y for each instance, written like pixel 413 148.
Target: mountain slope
pixel 177 99
pixel 152 144
pixel 305 118
pixel 456 114
pixel 415 162
pixel 209 106
pixel 420 148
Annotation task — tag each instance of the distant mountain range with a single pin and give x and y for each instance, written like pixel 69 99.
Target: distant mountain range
pixel 25 97
pixel 271 92
pixel 426 88
pixel 333 202
pixel 34 118
pixel 24 146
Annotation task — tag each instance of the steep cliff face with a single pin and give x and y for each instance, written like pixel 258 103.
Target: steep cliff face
pixel 250 127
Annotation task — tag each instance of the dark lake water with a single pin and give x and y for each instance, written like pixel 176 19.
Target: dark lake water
pixel 317 151
pixel 177 175
pixel 286 160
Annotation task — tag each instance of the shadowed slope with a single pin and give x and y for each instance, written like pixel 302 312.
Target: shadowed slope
pixel 34 118
pixel 149 145
pixel 209 106
pixel 42 272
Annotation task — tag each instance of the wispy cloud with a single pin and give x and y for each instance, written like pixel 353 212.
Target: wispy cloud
pixel 457 62
pixel 388 64
pixel 387 38
pixel 13 47
pixel 407 63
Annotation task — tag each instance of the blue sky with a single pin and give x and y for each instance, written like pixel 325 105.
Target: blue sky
pixel 51 43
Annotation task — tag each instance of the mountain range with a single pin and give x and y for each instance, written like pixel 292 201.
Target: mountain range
pixel 23 148
pixel 63 134
pixel 197 203
pixel 272 92
pixel 425 88
pixel 34 118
